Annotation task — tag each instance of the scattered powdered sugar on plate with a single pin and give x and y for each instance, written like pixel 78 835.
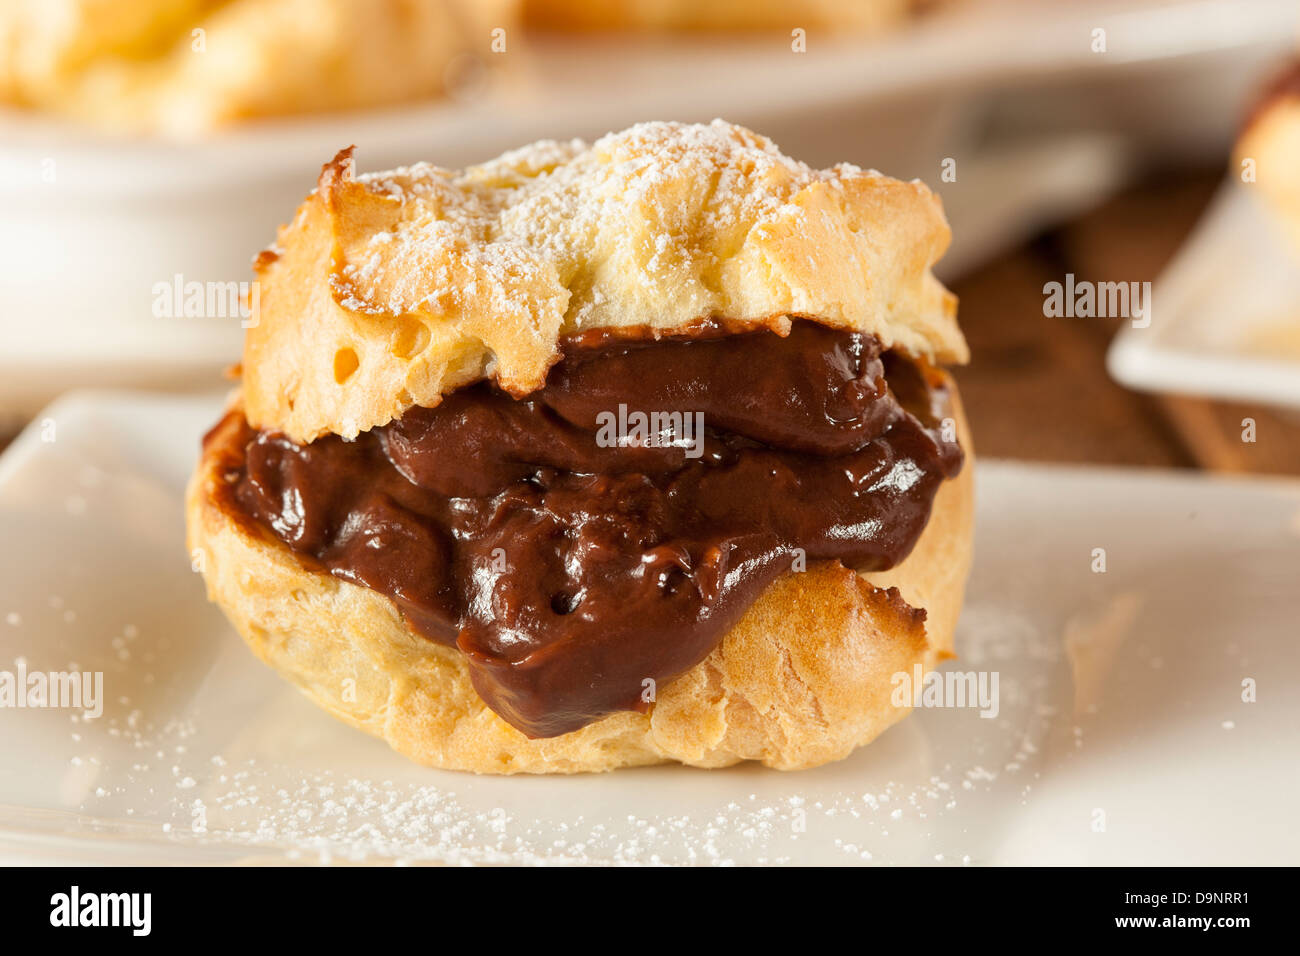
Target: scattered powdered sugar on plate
pixel 336 816
pixel 163 769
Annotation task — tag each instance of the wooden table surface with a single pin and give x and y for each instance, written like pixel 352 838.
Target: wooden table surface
pixel 1037 387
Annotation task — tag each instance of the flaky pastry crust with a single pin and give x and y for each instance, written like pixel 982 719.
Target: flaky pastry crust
pixel 801 680
pixel 390 290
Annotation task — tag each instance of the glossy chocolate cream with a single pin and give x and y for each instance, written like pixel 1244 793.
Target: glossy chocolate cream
pixel 574 562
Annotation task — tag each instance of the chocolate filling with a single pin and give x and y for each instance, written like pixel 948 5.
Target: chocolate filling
pixel 573 561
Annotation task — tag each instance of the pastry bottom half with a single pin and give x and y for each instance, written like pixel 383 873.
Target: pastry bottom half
pixel 801 680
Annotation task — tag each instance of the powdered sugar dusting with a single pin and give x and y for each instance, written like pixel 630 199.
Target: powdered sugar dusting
pixel 559 214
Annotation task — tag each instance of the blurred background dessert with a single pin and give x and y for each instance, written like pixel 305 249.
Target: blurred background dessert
pixel 186 67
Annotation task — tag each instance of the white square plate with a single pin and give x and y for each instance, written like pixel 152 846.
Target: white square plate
pixel 1121 737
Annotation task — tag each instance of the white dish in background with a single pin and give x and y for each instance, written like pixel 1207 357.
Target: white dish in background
pixel 1225 318
pixel 999 86
pixel 1119 692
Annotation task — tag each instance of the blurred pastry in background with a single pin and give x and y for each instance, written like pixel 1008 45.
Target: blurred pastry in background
pixel 849 16
pixel 185 67
pixel 1269 149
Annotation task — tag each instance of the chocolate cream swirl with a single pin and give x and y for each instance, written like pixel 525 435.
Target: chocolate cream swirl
pixel 579 565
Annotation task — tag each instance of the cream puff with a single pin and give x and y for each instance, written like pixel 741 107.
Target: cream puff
pixel 598 455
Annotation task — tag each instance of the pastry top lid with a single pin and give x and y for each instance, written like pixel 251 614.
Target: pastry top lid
pixel 391 289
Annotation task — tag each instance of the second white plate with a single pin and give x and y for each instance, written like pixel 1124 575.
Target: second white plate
pixel 1225 319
